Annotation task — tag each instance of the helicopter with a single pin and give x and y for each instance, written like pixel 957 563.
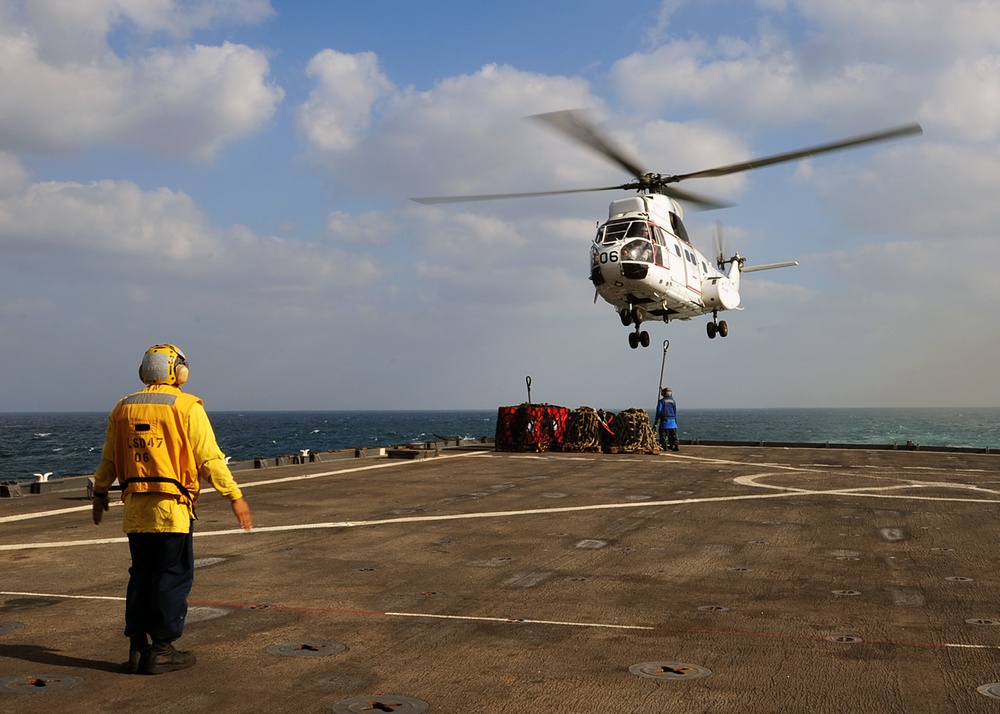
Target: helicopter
pixel 642 261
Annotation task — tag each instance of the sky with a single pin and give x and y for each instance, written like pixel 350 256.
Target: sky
pixel 233 176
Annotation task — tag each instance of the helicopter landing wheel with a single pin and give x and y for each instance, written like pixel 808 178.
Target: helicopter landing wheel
pixel 712 329
pixel 626 316
pixel 723 329
pixel 639 337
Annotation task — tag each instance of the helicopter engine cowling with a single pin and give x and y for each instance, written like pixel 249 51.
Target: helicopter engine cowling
pixel 720 294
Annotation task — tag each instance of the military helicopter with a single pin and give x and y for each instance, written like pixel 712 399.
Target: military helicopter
pixel 641 260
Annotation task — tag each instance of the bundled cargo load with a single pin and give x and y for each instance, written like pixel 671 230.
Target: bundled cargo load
pixel 632 433
pixel 531 427
pixel 586 430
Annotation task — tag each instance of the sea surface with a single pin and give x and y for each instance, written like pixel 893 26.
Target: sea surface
pixel 68 444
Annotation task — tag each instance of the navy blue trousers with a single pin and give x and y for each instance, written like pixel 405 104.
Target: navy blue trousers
pixel 159 583
pixel 668 439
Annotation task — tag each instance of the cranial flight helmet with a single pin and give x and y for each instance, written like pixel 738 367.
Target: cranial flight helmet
pixel 164 364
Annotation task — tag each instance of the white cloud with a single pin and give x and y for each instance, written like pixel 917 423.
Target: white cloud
pixel 465 135
pixel 857 63
pixel 339 110
pixel 763 81
pixel 919 34
pixel 77 31
pixel 113 230
pixel 683 147
pixel 655 34
pixel 894 323
pixel 189 103
pixel 13 176
pixel 369 228
pixel 181 102
pixel 965 98
pixel 923 188
pixel 106 220
pixel 180 18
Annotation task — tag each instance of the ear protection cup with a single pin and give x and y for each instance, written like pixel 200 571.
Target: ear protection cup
pixel 181 373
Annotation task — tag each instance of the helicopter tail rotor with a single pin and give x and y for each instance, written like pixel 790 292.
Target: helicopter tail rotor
pixel 719 243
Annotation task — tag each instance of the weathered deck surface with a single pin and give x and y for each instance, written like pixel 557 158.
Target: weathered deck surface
pixel 804 580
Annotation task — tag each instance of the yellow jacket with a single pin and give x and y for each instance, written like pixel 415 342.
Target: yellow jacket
pixel 159 445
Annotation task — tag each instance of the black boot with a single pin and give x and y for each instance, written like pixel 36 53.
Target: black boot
pixel 164 658
pixel 138 654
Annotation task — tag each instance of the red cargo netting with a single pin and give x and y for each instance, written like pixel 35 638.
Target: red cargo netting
pixel 531 427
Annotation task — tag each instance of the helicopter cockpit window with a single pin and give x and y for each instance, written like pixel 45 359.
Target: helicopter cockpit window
pixel 677 249
pixel 613 231
pixel 678 225
pixel 638 250
pixel 638 229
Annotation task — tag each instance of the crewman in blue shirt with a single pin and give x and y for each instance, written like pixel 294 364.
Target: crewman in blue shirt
pixel 666 420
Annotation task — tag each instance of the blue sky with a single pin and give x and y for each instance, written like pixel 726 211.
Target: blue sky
pixel 233 175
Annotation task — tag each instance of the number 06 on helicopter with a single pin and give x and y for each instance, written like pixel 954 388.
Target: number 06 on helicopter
pixel 642 261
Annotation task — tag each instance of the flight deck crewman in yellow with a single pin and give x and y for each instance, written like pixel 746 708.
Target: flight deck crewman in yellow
pixel 159 445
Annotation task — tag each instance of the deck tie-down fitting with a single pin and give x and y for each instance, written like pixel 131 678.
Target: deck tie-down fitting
pixel 669 670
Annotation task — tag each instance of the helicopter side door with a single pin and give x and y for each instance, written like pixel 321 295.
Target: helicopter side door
pixel 678 261
pixel 693 272
pixel 688 258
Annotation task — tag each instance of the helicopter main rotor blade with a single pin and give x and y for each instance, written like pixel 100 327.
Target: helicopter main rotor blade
pixel 430 200
pixel 885 135
pixel 680 194
pixel 702 202
pixel 577 125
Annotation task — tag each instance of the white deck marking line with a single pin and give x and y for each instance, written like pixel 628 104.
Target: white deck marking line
pixel 530 621
pixel 421 519
pixel 751 480
pixel 810 468
pixel 65 597
pixel 249 484
pixel 878 491
pixel 381 612
pixel 520 620
pixel 390 463
pixel 63 544
pixel 45 514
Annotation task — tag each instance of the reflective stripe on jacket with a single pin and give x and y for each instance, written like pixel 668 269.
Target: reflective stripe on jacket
pixel 151 504
pixel 152 448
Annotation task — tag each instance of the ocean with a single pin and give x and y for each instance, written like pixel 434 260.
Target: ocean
pixel 68 444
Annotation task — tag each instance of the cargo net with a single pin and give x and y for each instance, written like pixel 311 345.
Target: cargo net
pixel 587 430
pixel 531 427
pixel 632 434
pixel 544 427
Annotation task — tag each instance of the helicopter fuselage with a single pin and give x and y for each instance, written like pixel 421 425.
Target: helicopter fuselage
pixel 643 263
